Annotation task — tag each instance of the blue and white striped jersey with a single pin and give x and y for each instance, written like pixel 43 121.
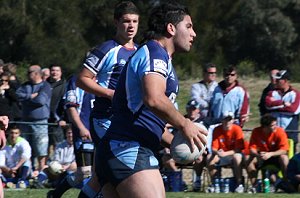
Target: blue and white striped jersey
pixel 82 100
pixel 132 120
pixel 106 61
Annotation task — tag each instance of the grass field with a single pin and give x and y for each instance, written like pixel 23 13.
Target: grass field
pixel 35 193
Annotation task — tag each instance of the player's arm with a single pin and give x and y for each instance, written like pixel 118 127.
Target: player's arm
pixel 154 86
pixel 86 82
pixel 76 121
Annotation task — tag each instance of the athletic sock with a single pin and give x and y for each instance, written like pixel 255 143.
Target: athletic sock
pixel 87 192
pixel 42 177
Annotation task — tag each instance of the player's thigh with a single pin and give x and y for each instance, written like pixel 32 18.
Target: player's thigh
pixel 143 184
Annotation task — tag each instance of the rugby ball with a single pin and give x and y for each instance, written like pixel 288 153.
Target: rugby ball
pixel 180 149
pixel 55 168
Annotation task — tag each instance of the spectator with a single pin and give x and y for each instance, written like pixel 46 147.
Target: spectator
pixel 1 66
pixel 230 96
pixel 284 104
pixel 202 91
pixel 58 85
pixel 268 145
pixel 34 96
pixel 78 106
pixel 3 126
pixel 293 172
pixel 64 155
pixel 271 86
pixel 227 146
pixel 7 96
pixel 14 83
pixel 45 73
pixel 15 163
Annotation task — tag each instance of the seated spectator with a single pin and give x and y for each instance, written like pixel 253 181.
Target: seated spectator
pixel 227 146
pixel 15 161
pixel 293 172
pixel 268 146
pixel 3 126
pixel 64 155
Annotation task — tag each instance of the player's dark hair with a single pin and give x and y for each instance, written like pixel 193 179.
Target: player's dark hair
pixel 163 14
pixel 125 7
pixel 229 69
pixel 266 120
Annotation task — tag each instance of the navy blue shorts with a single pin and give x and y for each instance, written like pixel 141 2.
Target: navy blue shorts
pixel 116 160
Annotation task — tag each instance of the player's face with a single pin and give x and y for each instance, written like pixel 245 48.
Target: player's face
pixel 185 34
pixel 127 26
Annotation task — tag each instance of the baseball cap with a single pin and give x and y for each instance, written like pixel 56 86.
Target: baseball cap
pixel 228 115
pixel 282 74
pixel 192 103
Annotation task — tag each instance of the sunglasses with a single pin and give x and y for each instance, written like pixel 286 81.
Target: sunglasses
pixel 230 74
pixel 3 80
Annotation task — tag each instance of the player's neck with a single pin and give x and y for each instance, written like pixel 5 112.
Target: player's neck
pixel 167 44
pixel 127 43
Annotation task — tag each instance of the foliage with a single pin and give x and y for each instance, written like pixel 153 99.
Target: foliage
pixel 228 32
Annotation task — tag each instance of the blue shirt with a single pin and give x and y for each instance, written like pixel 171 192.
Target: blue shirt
pixel 132 120
pixel 81 100
pixel 106 61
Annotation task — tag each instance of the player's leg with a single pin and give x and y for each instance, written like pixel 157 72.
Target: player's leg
pixel 143 184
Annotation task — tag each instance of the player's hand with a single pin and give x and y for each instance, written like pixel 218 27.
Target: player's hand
pixel 62 123
pixel 194 134
pixel 85 134
pixel 34 95
pixel 265 155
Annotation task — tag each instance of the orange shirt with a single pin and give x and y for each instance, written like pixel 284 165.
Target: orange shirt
pixel 232 139
pixel 277 140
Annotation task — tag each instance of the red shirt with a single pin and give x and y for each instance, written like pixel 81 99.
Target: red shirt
pixel 276 140
pixel 232 139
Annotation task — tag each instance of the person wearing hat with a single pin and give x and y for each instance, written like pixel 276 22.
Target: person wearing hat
pixel 284 104
pixel 227 146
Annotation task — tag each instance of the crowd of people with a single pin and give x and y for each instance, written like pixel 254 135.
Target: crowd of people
pixel 105 125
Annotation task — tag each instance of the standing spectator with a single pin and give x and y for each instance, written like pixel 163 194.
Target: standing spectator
pixel 14 83
pixel 202 91
pixel 64 155
pixel 230 96
pixel 227 146
pixel 7 96
pixel 58 85
pixel 268 145
pixel 284 104
pixel 271 86
pixel 3 126
pixel 78 104
pixel 15 158
pixel 1 66
pixel 34 96
pixel 46 73
pixel 143 103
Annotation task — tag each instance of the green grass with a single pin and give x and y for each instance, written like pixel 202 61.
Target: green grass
pixel 35 193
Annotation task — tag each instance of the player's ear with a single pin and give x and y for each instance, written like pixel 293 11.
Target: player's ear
pixel 171 29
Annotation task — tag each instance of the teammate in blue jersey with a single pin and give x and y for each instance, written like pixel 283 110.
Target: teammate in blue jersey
pixel 142 105
pixel 78 105
pixel 105 62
